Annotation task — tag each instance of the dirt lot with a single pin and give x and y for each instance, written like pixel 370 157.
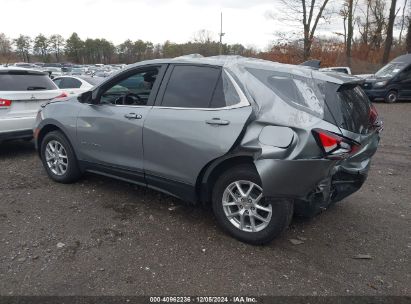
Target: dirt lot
pixel 106 237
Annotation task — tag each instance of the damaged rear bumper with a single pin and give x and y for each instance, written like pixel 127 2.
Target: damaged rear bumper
pixel 313 184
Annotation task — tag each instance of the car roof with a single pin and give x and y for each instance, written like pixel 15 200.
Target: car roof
pixel 234 62
pixel 402 59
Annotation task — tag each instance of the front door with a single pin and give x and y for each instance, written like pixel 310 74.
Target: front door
pixel 404 83
pixel 110 133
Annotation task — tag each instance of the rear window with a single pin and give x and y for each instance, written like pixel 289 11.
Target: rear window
pixel 25 82
pixel 349 107
pixel 298 91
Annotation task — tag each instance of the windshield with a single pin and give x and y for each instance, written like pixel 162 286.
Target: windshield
pixel 390 70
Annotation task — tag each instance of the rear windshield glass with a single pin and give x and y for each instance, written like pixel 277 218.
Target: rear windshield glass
pixel 349 107
pixel 27 82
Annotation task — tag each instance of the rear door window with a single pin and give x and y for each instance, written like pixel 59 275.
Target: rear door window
pixel 25 82
pixel 192 87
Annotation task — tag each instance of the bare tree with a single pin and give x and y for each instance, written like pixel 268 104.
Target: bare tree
pixel 203 36
pixel 350 30
pixel 23 46
pixel 309 13
pixel 403 20
pixel 364 23
pixel 5 46
pixel 56 45
pixel 408 36
pixel 390 28
pixel 378 23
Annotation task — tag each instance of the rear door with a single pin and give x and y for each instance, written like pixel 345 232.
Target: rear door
pixel 198 116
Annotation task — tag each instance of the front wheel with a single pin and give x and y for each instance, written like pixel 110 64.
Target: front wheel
pixel 391 97
pixel 242 211
pixel 59 159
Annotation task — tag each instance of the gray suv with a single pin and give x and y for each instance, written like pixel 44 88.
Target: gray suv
pixel 257 140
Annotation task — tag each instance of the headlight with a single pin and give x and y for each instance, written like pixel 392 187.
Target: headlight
pixel 380 84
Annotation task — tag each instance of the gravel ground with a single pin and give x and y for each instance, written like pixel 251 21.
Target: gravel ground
pixel 106 237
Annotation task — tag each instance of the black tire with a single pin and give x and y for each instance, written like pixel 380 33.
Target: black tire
pixel 282 209
pixel 73 172
pixel 391 97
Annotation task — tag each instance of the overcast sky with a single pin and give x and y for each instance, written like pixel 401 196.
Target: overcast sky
pixel 245 21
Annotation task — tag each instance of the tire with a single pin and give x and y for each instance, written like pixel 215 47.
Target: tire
pixel 263 232
pixel 69 171
pixel 391 97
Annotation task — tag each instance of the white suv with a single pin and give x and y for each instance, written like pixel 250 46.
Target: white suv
pixel 22 92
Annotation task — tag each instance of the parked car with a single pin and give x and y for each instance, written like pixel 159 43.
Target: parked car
pixel 75 85
pixel 78 71
pixel 22 91
pixel 52 65
pixel 53 71
pixel 102 73
pixel 345 70
pixel 253 138
pixel 392 82
pixel 26 65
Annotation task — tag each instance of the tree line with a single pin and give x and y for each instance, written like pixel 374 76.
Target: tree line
pixel 73 49
pixel 365 38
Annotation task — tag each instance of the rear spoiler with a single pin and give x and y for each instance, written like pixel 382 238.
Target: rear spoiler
pixel 351 84
pixel 314 63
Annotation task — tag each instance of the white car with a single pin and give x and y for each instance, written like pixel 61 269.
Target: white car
pixel 74 85
pixel 22 92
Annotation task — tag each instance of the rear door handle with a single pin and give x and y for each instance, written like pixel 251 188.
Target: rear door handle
pixel 218 122
pixel 133 116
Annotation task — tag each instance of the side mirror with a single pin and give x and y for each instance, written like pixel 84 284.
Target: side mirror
pixel 86 97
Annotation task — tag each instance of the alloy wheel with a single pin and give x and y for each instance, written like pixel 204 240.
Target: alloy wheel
pixel 244 206
pixel 56 158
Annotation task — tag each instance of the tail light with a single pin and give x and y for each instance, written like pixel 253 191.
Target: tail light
pixel 335 146
pixel 5 103
pixel 62 95
pixel 375 123
pixel 373 115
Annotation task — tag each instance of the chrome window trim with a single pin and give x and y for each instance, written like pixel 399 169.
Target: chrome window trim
pixel 114 105
pixel 243 100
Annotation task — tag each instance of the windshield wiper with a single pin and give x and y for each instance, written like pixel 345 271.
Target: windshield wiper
pixel 35 88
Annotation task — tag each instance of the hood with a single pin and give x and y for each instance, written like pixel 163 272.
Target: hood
pixel 376 79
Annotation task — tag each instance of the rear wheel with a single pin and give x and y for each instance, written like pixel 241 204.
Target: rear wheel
pixel 59 159
pixel 242 211
pixel 391 97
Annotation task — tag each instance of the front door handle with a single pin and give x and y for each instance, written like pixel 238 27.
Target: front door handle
pixel 133 116
pixel 218 122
